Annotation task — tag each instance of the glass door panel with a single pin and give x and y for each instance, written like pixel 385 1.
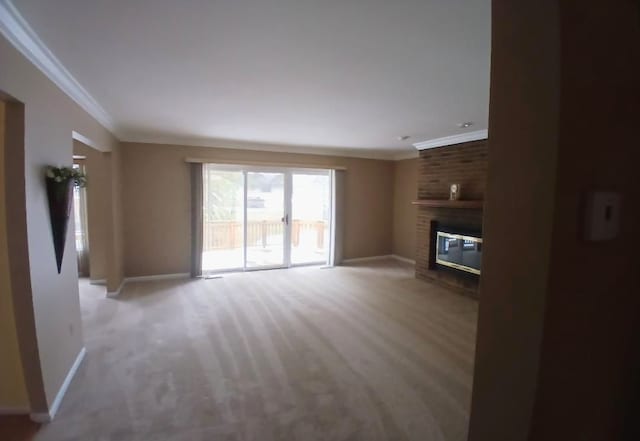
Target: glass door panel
pixel 265 226
pixel 222 219
pixel 311 214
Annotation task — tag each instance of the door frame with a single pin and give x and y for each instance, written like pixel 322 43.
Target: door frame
pixel 287 245
pixel 329 245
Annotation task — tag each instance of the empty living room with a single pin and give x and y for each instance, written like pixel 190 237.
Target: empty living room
pixel 310 220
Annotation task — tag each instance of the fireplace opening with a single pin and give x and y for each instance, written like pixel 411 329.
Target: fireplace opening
pixel 458 249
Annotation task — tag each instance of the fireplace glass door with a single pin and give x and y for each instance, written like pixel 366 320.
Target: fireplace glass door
pixel 458 251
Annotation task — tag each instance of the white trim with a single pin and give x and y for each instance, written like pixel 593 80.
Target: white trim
pixel 16 29
pixel 151 278
pixel 116 293
pixel 44 417
pixel 451 140
pixel 331 256
pixel 245 222
pixel 14 411
pixel 403 259
pixel 40 417
pixel 157 277
pixel 97 281
pixel 287 243
pixel 87 141
pixel 367 259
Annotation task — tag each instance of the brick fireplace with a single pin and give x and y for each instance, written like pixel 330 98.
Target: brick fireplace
pixel 465 164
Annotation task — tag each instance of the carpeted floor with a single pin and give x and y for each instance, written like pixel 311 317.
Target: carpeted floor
pixel 360 352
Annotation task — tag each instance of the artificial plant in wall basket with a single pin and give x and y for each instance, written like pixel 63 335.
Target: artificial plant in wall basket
pixel 60 182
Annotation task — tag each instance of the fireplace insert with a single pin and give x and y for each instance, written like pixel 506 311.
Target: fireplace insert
pixel 458 249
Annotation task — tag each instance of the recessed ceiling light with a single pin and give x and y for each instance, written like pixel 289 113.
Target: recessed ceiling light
pixel 403 137
pixel 465 125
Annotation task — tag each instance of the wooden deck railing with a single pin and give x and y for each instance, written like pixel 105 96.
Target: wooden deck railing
pixel 228 234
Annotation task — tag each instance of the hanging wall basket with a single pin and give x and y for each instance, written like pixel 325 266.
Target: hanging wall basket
pixel 60 182
pixel 60 196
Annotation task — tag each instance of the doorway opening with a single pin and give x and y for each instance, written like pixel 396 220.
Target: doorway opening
pixel 81 225
pixel 264 218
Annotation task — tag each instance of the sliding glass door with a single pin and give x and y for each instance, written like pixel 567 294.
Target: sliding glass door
pixel 222 219
pixel 311 216
pixel 264 218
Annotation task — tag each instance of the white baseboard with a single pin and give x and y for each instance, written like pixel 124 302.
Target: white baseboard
pixel 382 257
pixel 126 280
pixel 41 417
pixel 403 259
pixel 116 293
pixel 45 417
pixel 367 259
pixel 14 411
pixel 98 281
pixel 157 277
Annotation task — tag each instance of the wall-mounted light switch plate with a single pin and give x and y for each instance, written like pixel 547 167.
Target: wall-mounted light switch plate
pixel 602 216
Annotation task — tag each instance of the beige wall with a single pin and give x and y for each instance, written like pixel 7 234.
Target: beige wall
pixel 49 302
pixel 13 392
pixel 97 167
pixel 104 213
pixel 115 254
pixel 405 190
pixel 557 349
pixel 517 224
pixel 157 203
pixel 589 382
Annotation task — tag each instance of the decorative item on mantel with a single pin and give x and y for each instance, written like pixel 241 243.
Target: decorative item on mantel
pixel 60 182
pixel 454 192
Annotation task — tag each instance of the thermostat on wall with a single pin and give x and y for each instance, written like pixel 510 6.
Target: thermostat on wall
pixel 602 216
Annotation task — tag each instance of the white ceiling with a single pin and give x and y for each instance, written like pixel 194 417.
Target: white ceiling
pixel 343 74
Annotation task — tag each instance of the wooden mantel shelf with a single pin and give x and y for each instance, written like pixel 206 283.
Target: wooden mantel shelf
pixel 446 203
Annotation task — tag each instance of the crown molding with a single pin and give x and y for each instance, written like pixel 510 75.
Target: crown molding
pixel 451 140
pixel 16 29
pixel 87 141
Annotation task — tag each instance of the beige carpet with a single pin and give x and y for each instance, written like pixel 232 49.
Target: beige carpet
pixel 353 353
